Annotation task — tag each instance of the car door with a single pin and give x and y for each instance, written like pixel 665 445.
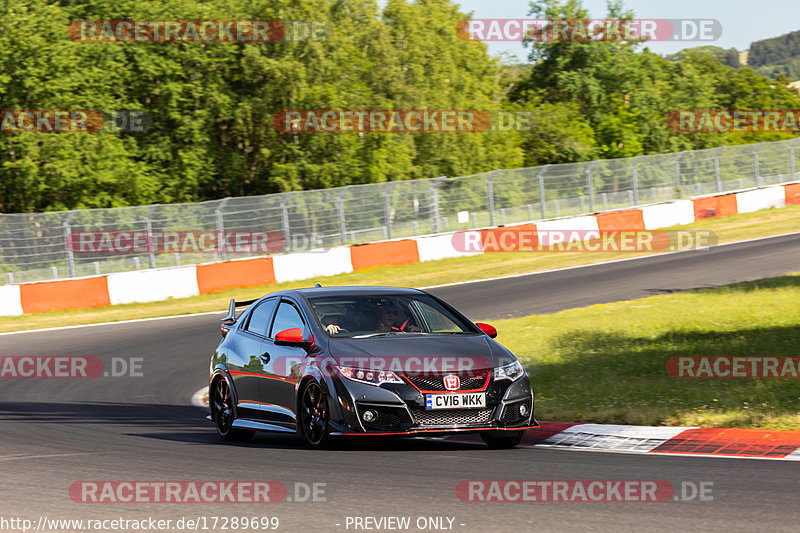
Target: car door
pixel 278 389
pixel 247 376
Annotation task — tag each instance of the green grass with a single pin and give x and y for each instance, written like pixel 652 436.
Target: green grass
pixel 739 227
pixel 606 363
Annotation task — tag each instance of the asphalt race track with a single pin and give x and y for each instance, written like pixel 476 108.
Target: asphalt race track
pixel 626 280
pixel 55 432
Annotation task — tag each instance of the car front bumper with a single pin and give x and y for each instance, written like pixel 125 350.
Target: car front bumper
pixel 401 410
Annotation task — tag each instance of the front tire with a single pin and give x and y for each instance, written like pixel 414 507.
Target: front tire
pixel 314 416
pixel 221 404
pixel 502 440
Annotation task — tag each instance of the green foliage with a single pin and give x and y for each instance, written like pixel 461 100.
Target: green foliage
pixel 624 95
pixel 774 50
pixel 212 105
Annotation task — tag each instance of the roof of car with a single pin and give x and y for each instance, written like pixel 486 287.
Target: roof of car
pixel 359 290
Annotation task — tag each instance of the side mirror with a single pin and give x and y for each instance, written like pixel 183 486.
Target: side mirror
pixel 226 326
pixel 294 337
pixel 488 329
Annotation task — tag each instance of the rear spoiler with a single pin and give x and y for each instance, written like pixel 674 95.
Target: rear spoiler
pixel 230 319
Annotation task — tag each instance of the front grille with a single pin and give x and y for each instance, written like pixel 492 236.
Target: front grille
pixel 511 414
pixel 436 383
pixel 451 417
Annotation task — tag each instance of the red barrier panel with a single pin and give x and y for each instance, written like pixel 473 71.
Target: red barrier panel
pixel 384 253
pixel 509 238
pixel 715 206
pixel 234 274
pixel 63 295
pixel 628 220
pixel 792 193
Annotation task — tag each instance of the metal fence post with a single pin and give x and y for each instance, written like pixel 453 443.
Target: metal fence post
pixel 490 189
pixel 435 197
pixel 635 180
pixel 540 178
pixel 220 231
pixel 717 177
pixel 590 186
pixel 756 169
pixel 68 244
pixel 149 228
pixel 387 209
pixel 677 171
pixel 340 207
pixel 285 218
pixel 792 165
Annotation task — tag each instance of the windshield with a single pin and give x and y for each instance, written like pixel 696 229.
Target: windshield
pixel 377 315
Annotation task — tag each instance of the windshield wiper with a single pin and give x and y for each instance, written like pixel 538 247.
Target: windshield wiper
pixel 390 333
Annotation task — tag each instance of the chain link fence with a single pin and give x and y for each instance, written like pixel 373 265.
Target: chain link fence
pixel 36 246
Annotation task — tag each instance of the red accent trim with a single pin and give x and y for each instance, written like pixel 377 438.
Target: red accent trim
pixel 242 372
pixel 485 384
pixel 434 431
pixel 401 328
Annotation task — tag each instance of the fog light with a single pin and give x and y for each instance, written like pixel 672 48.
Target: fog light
pixel 523 410
pixel 369 416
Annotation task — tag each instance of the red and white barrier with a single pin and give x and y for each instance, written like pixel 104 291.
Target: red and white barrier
pixel 152 285
pixel 10 300
pixel 181 282
pixel 724 442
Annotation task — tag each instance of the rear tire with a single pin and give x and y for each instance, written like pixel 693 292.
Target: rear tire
pixel 502 440
pixel 221 404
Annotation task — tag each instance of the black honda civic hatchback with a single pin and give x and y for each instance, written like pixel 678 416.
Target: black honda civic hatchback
pixel 360 361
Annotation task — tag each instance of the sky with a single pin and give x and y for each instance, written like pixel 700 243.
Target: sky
pixel 742 21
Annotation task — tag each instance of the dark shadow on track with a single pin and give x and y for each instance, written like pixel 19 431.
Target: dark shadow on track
pixel 103 413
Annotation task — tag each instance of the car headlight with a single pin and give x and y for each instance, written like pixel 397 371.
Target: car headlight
pixel 512 371
pixel 371 377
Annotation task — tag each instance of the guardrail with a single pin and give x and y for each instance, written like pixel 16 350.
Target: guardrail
pixel 181 282
pixel 35 247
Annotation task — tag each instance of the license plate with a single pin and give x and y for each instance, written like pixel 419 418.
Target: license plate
pixel 474 400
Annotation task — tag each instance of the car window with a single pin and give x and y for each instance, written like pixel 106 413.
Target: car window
pixel 436 321
pixel 370 314
pixel 287 317
pixel 258 322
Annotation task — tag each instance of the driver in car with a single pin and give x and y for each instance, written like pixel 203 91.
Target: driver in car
pixel 385 319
